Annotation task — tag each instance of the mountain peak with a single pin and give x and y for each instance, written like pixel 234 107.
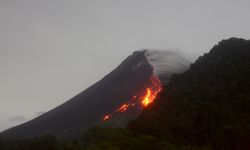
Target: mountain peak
pixel 132 84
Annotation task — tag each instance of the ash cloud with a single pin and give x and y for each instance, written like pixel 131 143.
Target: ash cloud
pixel 166 63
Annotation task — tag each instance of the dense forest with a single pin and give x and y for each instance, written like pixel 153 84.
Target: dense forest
pixel 206 107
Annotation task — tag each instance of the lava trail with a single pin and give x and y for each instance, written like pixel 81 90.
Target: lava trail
pixel 144 97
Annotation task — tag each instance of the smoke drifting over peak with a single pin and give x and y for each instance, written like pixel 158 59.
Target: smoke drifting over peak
pixel 166 63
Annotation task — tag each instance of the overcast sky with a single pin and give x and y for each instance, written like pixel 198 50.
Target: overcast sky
pixel 50 50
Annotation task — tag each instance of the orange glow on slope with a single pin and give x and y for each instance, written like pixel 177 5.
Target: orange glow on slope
pixel 123 108
pixel 106 117
pixel 147 99
pixel 143 98
pixel 151 93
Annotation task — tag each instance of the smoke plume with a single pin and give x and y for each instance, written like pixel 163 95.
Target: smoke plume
pixel 166 63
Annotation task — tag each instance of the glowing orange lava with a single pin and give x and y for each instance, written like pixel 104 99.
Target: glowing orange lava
pixel 106 117
pixel 144 97
pixel 151 92
pixel 147 99
pixel 123 108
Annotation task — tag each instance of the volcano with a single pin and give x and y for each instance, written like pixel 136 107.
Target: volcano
pixel 114 100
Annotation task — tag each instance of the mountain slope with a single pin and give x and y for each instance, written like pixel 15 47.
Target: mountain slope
pixel 113 101
pixel 206 107
pixel 89 107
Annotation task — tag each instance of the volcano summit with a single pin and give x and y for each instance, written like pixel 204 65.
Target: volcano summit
pixel 114 100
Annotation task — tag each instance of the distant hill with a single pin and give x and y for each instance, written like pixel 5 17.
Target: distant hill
pixel 206 107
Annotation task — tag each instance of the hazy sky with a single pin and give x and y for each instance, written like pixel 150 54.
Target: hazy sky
pixel 50 50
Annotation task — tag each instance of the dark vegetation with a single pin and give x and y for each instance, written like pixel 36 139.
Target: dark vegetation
pixel 206 107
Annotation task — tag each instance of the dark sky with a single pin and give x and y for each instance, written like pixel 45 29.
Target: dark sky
pixel 51 50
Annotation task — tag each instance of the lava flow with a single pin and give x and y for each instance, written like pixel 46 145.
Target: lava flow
pixel 143 98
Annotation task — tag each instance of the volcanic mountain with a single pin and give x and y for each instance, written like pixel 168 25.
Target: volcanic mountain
pixel 114 100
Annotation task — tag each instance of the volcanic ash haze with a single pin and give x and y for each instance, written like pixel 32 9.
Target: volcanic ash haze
pixel 132 84
pixel 165 63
